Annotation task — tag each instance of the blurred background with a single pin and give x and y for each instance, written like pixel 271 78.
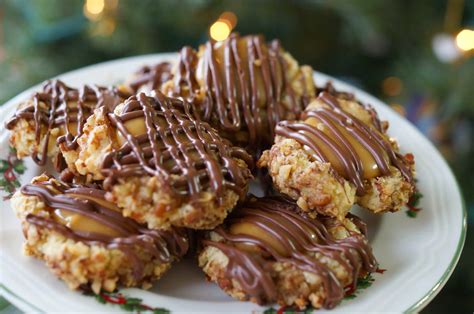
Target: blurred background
pixel 418 56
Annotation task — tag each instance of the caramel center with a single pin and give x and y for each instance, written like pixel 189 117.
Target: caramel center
pixel 243 48
pixel 135 127
pixel 250 229
pixel 78 222
pixel 369 164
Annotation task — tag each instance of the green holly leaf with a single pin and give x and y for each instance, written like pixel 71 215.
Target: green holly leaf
pixel 127 307
pixel 415 199
pixel 362 283
pixel 100 298
pixel 366 282
pixel 11 188
pixel 130 304
pixel 411 213
pixel 289 310
pixel 3 165
pixel 3 182
pixel 309 310
pixel 134 301
pixel 20 167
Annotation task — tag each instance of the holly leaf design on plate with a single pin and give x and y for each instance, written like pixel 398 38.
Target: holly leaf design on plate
pixel 126 303
pixel 413 204
pixel 10 169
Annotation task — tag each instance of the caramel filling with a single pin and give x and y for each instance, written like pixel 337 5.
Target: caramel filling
pixel 243 47
pixel 369 164
pixel 135 127
pixel 73 104
pixel 250 229
pixel 78 222
pixel 243 87
pixel 60 112
pixel 161 138
pixel 81 214
pixel 306 244
pixel 72 126
pixel 355 150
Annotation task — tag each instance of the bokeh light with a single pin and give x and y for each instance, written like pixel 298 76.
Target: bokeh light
pixel 465 39
pixel 224 25
pixel 93 8
pixel 392 86
pixel 220 30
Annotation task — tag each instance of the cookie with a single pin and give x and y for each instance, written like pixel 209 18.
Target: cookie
pixel 162 166
pixel 242 86
pixel 56 112
pixel 86 242
pixel 269 251
pixel 337 155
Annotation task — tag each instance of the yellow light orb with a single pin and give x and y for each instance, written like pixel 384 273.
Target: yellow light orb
pixel 94 7
pixel 465 39
pixel 219 30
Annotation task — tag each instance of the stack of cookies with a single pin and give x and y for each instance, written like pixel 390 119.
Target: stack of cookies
pixel 162 163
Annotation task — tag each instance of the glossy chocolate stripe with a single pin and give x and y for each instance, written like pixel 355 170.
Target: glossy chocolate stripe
pixel 280 220
pixel 244 83
pixel 333 144
pixel 245 268
pixel 304 134
pixel 56 95
pixel 396 159
pixel 363 133
pixel 185 153
pixel 164 245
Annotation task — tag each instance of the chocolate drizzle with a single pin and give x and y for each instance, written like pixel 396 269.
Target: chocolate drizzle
pixel 185 153
pixel 246 87
pixel 89 202
pixel 333 144
pixel 151 76
pixel 294 239
pixel 52 108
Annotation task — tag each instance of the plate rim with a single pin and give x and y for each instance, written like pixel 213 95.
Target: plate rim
pixel 17 300
pixel 433 292
pixel 25 305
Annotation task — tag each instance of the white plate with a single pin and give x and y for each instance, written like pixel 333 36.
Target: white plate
pixel 419 253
